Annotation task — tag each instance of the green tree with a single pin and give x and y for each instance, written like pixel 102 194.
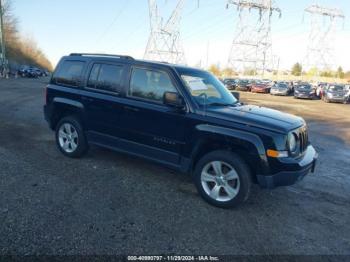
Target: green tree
pixel 297 69
pixel 215 70
pixel 340 72
pixel 250 72
pixel 228 72
pixel 18 49
pixel 326 74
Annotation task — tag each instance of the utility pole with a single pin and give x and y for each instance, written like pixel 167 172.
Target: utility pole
pixel 164 43
pixel 3 60
pixel 252 45
pixel 320 51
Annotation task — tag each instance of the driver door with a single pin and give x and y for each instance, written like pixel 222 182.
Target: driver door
pixel 150 128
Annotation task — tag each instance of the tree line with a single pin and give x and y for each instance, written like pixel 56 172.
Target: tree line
pixel 297 70
pixel 21 50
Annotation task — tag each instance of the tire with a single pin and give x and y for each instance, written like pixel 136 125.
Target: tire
pixel 208 183
pixel 70 137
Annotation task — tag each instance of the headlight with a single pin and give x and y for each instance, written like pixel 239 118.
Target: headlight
pixel 330 95
pixel 296 91
pixel 292 142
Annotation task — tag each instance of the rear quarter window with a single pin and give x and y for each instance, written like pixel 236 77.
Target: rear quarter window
pixel 69 73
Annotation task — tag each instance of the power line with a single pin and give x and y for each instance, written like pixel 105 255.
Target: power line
pixel 115 19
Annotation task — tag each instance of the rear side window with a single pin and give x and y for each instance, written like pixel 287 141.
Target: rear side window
pixel 69 73
pixel 106 77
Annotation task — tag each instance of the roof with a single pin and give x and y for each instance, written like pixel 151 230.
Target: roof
pixel 112 57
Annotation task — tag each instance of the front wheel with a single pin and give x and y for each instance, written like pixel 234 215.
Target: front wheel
pixel 223 179
pixel 70 137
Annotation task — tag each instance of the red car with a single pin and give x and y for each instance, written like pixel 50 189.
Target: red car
pixel 260 88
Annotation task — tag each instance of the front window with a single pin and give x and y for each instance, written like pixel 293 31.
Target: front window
pixel 336 88
pixel 307 87
pixel 150 84
pixel 282 86
pixel 205 88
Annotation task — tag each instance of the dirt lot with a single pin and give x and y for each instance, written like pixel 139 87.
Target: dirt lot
pixel 108 203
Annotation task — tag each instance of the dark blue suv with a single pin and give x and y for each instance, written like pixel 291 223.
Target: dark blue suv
pixel 180 117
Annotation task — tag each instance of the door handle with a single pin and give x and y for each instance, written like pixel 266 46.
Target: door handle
pixel 131 109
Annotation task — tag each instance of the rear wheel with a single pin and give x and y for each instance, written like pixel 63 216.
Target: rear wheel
pixel 223 179
pixel 70 137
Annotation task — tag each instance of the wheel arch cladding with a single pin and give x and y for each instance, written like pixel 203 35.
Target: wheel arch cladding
pixel 65 107
pixel 247 145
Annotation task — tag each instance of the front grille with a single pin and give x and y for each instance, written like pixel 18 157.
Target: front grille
pixel 303 139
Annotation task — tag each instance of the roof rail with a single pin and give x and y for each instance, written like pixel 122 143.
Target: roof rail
pixel 103 55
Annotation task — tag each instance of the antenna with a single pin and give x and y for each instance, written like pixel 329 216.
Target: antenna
pixel 164 43
pixel 252 45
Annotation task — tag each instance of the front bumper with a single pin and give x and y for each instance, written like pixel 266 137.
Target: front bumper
pixel 301 95
pixel 337 99
pixel 295 170
pixel 281 93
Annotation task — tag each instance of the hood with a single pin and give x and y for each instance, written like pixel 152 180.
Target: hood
pixel 256 116
pixel 302 90
pixel 340 93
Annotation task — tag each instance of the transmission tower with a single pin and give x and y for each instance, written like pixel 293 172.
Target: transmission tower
pixel 164 43
pixel 320 51
pixel 252 45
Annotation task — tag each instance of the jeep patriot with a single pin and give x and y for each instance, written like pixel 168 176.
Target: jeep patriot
pixel 180 117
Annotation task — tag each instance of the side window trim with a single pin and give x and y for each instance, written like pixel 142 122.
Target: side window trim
pixel 127 91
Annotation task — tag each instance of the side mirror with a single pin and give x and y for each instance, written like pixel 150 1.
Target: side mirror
pixel 173 99
pixel 236 95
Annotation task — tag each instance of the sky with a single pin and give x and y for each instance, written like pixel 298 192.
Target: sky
pixel 207 28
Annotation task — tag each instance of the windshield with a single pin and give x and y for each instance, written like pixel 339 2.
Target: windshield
pixel 282 86
pixel 304 87
pixel 243 82
pixel 336 88
pixel 206 88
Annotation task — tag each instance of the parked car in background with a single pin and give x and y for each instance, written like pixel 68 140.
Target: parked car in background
pixel 230 83
pixel 304 90
pixel 260 87
pixel 281 89
pixel 243 85
pixel 335 93
pixel 347 93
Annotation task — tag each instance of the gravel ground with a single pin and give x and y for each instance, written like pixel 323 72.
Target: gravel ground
pixel 108 203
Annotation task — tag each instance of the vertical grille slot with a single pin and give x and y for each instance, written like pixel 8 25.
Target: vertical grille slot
pixel 303 139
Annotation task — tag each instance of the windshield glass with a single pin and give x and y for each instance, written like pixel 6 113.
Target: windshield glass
pixel 206 88
pixel 304 87
pixel 282 86
pixel 336 88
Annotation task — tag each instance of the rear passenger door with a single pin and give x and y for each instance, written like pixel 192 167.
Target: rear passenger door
pixel 150 128
pixel 101 99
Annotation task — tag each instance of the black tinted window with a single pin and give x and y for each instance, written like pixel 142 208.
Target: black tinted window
pixel 150 84
pixel 69 73
pixel 106 77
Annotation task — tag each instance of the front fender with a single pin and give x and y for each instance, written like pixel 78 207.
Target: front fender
pixel 232 138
